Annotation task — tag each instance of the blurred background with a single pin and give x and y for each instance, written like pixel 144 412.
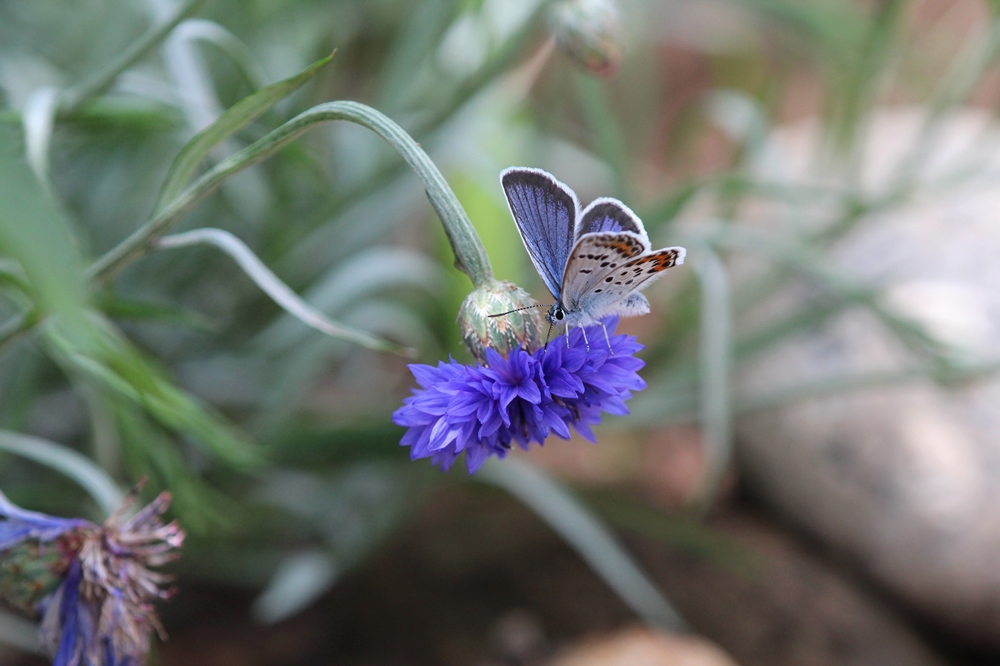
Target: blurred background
pixel 812 475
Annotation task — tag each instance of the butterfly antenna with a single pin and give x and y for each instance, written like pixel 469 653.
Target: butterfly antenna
pixel 527 307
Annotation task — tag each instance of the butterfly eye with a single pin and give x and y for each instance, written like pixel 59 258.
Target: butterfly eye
pixel 559 315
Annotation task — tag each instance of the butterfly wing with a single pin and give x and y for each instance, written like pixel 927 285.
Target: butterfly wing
pixel 595 257
pixel 613 288
pixel 545 211
pixel 609 215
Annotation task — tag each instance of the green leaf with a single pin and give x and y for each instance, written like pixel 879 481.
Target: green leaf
pixel 66 461
pixel 119 368
pixel 301 578
pixel 595 543
pixel 147 450
pixel 667 210
pixel 72 98
pixel 470 256
pixel 280 292
pixel 605 128
pixel 682 532
pixel 124 308
pixel 230 122
pixel 35 234
pixel 716 352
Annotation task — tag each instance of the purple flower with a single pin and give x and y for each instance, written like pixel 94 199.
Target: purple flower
pixel 22 524
pixel 523 398
pixel 91 584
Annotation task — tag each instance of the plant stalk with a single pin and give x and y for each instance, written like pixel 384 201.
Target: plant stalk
pixel 470 255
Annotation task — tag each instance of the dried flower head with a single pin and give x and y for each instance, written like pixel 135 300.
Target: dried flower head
pixel 92 584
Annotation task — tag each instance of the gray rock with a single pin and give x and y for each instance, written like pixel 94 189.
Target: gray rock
pixel 904 478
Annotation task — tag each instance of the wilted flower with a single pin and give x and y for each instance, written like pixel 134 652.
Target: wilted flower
pixel 92 584
pixel 522 398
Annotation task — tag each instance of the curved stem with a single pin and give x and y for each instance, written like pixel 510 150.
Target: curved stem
pixel 716 349
pixel 595 543
pixel 279 292
pixel 71 99
pixel 470 256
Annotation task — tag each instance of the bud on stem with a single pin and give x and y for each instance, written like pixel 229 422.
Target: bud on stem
pixel 518 328
pixel 589 32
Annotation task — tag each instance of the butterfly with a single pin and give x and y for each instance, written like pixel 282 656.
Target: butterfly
pixel 595 262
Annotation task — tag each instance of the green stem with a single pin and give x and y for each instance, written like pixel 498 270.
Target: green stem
pixel 469 88
pixel 71 98
pixel 470 256
pixel 716 349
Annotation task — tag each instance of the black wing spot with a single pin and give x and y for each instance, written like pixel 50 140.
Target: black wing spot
pixel 609 279
pixel 630 282
pixel 651 270
pixel 604 264
pixel 597 291
pixel 585 270
pixel 617 282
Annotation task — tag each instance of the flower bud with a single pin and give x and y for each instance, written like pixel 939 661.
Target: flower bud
pixel 589 32
pixel 517 328
pixel 32 570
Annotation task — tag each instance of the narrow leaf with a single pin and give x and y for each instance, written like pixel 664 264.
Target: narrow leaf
pixel 124 308
pixel 38 118
pixel 584 532
pixel 716 350
pixel 230 122
pixel 301 579
pixel 66 461
pixel 34 233
pixel 278 290
pixel 110 360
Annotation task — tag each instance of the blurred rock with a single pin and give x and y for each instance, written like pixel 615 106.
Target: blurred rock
pixel 672 466
pixel 517 635
pixel 902 477
pixel 642 647
pixel 766 600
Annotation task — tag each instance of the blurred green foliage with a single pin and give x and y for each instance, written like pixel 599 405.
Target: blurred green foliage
pixel 178 367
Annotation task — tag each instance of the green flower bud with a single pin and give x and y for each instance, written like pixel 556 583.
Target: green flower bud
pixel 480 331
pixel 31 570
pixel 589 32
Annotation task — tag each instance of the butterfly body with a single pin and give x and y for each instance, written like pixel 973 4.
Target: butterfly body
pixel 594 261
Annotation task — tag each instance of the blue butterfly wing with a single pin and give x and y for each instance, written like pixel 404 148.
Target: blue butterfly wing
pixel 609 215
pixel 545 211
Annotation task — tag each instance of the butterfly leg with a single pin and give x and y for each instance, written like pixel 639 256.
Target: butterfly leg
pixel 585 340
pixel 567 336
pixel 607 338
